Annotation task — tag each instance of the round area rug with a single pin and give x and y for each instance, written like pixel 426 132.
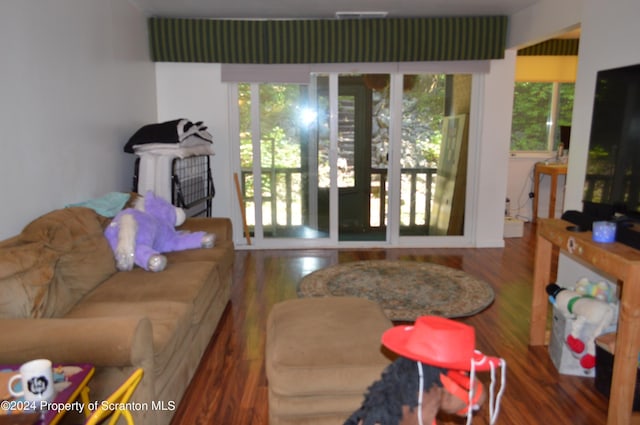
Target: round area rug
pixel 404 289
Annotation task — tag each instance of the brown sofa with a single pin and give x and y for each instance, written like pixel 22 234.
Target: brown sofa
pixel 62 298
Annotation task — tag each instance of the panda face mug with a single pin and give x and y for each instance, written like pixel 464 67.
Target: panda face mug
pixel 36 377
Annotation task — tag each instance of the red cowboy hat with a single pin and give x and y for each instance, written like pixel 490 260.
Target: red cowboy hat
pixel 440 342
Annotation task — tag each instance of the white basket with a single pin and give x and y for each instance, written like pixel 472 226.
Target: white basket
pixel 565 360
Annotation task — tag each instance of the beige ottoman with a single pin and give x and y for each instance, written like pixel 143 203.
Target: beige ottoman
pixel 321 356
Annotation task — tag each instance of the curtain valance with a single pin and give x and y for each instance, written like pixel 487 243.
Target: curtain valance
pixel 553 47
pixel 327 40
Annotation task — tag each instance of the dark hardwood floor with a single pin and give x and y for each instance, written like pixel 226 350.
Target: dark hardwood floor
pixel 230 387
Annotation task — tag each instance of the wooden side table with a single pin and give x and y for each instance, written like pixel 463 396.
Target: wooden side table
pixel 615 259
pixel 554 170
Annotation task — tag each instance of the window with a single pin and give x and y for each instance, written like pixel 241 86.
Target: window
pixel 539 110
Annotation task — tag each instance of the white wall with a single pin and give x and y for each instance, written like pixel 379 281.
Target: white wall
pixel 544 20
pixel 520 184
pixel 497 103
pixel 194 91
pixel 75 83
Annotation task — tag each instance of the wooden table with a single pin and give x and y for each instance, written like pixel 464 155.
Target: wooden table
pixel 71 382
pixel 615 259
pixel 554 170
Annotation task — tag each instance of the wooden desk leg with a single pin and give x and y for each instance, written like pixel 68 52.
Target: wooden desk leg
pixel 536 184
pixel 540 300
pixel 626 354
pixel 552 197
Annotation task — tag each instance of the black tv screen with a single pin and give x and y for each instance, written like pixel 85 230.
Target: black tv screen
pixel 612 183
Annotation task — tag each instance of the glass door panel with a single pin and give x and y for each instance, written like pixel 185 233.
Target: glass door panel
pixel 358 185
pixel 287 152
pixel 434 150
pixel 346 141
pixel 354 160
pixel 380 117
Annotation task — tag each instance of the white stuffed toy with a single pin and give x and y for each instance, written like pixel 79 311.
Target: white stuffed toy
pixel 583 310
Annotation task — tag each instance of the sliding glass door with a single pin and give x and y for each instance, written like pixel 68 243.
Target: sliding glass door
pixel 317 160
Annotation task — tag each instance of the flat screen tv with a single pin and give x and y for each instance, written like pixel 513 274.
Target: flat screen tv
pixel 612 183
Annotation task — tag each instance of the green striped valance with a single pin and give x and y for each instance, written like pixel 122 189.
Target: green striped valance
pixel 553 47
pixel 327 40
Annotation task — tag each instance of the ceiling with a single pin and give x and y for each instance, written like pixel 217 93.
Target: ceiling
pixel 322 9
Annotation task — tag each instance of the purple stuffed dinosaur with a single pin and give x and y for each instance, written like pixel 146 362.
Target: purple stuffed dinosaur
pixel 141 234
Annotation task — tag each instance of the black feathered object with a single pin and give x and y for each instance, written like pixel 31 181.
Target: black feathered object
pixel 397 387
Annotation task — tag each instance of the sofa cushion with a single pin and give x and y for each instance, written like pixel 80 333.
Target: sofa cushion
pixel 221 227
pixel 223 251
pixel 84 258
pixel 26 269
pixel 194 283
pixel 325 346
pixel 222 254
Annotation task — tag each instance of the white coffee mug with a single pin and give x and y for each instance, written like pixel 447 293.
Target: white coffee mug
pixel 37 381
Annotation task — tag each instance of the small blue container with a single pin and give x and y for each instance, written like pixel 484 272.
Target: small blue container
pixel 604 231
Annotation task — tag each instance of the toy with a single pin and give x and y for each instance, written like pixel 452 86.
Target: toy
pixel 582 310
pixel 600 290
pixel 392 400
pixel 141 234
pixel 437 362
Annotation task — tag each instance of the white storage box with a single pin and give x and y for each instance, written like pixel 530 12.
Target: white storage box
pixel 513 228
pixel 565 360
pixel 154 174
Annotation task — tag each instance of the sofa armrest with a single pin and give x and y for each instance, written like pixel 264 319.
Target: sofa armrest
pixel 108 341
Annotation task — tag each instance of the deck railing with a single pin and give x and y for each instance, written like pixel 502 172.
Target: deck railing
pixel 282 186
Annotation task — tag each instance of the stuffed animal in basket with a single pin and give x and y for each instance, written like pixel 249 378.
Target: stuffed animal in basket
pixel 599 290
pixel 435 372
pixel 583 311
pixel 140 235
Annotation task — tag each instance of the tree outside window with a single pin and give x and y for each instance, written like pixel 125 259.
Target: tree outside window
pixel 539 110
